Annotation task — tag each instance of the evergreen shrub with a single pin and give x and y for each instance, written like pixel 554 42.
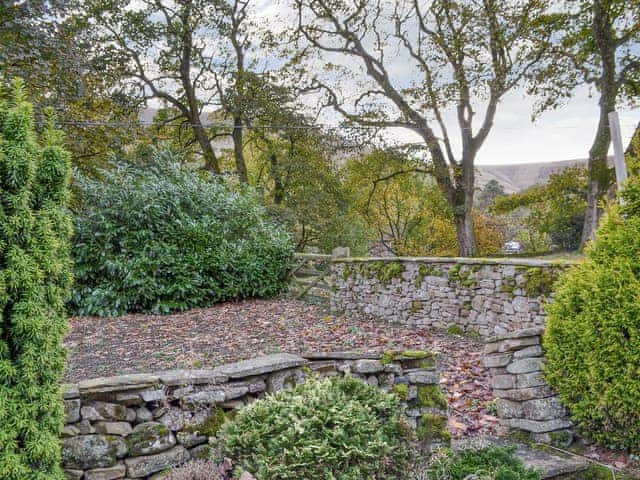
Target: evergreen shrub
pixel 592 340
pixel 35 282
pixel 161 238
pixel 339 428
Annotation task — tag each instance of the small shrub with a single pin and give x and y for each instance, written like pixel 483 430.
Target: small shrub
pixel 161 238
pixel 35 282
pixel 195 470
pixel 592 341
pixel 489 463
pixel 337 428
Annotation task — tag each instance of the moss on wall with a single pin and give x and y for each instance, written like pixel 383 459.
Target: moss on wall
pixel 432 428
pixel 431 396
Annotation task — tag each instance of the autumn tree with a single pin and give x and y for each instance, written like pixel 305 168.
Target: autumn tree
pixel 455 55
pixel 594 43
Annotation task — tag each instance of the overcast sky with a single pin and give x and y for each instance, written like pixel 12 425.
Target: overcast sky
pixel 562 134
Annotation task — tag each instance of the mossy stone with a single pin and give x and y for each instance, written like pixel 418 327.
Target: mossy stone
pixel 210 425
pixel 455 330
pixel 431 396
pixel 401 390
pixel 149 438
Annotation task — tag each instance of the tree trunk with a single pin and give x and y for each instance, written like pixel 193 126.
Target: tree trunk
pixel 238 152
pixel 210 160
pixel 463 216
pixel 278 188
pixel 600 176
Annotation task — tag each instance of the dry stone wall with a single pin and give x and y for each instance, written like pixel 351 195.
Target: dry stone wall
pixel 524 401
pixel 139 426
pixel 485 296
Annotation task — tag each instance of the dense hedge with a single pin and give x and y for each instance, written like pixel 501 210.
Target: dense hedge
pixel 592 340
pixel 339 428
pixel 160 238
pixel 35 282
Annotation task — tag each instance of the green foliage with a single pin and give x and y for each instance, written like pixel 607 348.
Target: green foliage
pixel 554 210
pixel 35 281
pixel 455 329
pixel 431 396
pixel 433 428
pixel 162 238
pixel 592 340
pixel 337 428
pixel 490 463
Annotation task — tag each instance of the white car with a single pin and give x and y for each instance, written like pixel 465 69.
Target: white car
pixel 512 247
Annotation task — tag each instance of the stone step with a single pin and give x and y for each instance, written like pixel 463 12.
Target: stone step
pixel 554 464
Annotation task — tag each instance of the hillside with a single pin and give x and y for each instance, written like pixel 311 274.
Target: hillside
pixel 517 177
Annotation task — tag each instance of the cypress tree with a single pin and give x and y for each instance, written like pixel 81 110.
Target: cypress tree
pixel 35 281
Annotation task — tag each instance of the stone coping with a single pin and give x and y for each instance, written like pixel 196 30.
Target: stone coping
pixel 526 262
pixel 522 333
pixel 220 375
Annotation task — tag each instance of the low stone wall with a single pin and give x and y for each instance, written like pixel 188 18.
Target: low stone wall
pixel 485 296
pixel 138 426
pixel 524 401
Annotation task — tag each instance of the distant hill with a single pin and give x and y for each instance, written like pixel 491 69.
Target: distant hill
pixel 518 177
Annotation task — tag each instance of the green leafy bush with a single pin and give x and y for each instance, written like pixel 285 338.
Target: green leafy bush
pixel 161 238
pixel 35 282
pixel 338 428
pixel 592 340
pixel 489 463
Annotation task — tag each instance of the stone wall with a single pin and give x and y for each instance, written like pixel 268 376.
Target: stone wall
pixel 138 426
pixel 485 296
pixel 523 399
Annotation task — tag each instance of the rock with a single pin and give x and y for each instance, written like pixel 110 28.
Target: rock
pixel 205 398
pixel 70 431
pixel 499 360
pixel 508 408
pixel 191 439
pixel 128 398
pixel 104 411
pixel 173 419
pixel 520 304
pixel 503 382
pixel 192 377
pixel 522 394
pixel 138 467
pixel 85 427
pixel 509 345
pixel 70 391
pixel 73 474
pixel 119 383
pixel 92 451
pixel 111 473
pixel 532 351
pixel 525 365
pixel 149 438
pixel 519 334
pixel 367 366
pixel 536 426
pixel 423 377
pixel 152 395
pixel 528 380
pixel 113 428
pixel 246 476
pixel 143 414
pixel 257 386
pixel 235 390
pixel 285 380
pixel 543 409
pixel 201 452
pixel 262 365
pixel 72 410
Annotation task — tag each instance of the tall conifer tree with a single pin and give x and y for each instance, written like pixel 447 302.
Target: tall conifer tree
pixel 35 281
